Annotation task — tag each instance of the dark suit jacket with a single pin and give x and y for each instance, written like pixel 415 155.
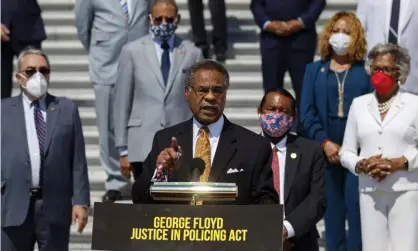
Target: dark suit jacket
pixel 285 10
pixel 65 181
pixel 314 102
pixel 23 19
pixel 237 148
pixel 304 190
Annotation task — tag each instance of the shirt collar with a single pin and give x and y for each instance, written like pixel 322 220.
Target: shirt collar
pixel 28 100
pixel 215 129
pixel 281 145
pixel 170 41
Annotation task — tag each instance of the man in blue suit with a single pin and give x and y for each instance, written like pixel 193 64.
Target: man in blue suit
pixel 287 40
pixel 44 179
pixel 21 26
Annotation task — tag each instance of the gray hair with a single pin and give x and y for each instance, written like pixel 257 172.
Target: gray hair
pixel 400 54
pixel 206 64
pixel 30 51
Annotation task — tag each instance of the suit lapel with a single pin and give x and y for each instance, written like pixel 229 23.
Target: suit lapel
pixel 374 110
pixel 179 53
pixel 19 116
pixel 226 149
pixel 52 112
pixel 322 90
pixel 293 155
pixel 406 14
pixel 397 106
pixel 185 141
pixel 151 56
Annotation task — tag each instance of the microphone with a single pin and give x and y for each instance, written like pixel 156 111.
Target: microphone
pixel 197 166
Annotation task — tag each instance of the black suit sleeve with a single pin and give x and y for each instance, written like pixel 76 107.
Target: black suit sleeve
pixel 140 190
pixel 262 189
pixel 312 208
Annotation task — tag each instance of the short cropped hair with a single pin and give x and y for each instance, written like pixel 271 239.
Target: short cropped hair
pixel 171 2
pixel 358 47
pixel 283 92
pixel 400 54
pixel 30 51
pixel 206 64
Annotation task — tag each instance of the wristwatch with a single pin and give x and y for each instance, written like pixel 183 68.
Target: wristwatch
pixel 406 164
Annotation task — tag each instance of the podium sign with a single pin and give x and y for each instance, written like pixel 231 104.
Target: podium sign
pixel 125 227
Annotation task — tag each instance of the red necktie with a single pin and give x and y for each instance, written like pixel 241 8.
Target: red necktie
pixel 276 173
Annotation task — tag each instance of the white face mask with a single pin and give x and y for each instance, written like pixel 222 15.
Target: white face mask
pixel 340 43
pixel 36 85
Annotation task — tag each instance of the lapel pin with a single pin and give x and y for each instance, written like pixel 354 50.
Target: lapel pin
pixel 52 108
pixel 322 69
pixel 293 155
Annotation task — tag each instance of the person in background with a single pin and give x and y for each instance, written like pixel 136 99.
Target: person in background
pixel 287 40
pixel 209 135
pixel 44 178
pixel 150 90
pixel 220 27
pixel 298 171
pixel 21 26
pixel 103 28
pixel 384 126
pixel 329 87
pixel 396 22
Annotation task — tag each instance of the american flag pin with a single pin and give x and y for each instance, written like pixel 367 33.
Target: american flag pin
pixel 293 155
pixel 322 69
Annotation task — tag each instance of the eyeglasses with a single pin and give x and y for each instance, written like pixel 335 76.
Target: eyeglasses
pixel 30 71
pixel 160 19
pixel 202 91
pixel 386 70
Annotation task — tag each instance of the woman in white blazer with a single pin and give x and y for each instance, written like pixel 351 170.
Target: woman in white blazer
pixel 380 146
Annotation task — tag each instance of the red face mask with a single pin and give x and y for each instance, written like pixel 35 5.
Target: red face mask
pixel 382 83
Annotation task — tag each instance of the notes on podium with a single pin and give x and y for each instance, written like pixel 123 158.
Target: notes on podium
pixel 158 227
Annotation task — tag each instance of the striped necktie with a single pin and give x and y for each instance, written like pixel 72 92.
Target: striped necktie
pixel 394 22
pixel 40 127
pixel 124 5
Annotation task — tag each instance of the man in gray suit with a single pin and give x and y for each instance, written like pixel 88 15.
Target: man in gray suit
pixel 150 90
pixel 104 27
pixel 44 178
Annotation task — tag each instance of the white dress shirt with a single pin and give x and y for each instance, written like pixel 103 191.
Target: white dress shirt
pixel 281 154
pixel 215 130
pixel 32 136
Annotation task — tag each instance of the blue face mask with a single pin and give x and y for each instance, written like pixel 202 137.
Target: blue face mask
pixel 163 32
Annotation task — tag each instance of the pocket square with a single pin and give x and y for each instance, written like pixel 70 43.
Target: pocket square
pixel 234 170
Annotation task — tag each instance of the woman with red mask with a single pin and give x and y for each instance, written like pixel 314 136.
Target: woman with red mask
pixel 381 147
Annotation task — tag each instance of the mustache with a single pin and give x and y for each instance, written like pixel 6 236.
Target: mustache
pixel 208 106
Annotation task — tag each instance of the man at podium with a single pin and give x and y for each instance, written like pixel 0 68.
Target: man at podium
pixel 232 154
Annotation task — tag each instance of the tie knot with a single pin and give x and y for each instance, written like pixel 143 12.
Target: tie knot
pixel 275 150
pixel 35 103
pixel 204 129
pixel 165 46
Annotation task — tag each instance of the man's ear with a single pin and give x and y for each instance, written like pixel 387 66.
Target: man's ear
pixel 178 19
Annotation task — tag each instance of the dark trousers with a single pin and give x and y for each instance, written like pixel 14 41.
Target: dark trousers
pixel 279 57
pixel 219 22
pixel 8 52
pixel 35 228
pixel 136 187
pixel 343 203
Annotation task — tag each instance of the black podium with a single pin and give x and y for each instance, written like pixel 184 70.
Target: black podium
pixel 159 227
